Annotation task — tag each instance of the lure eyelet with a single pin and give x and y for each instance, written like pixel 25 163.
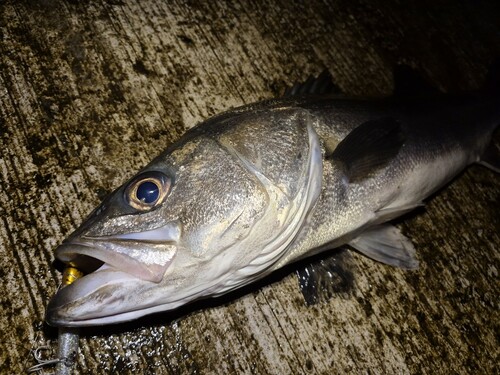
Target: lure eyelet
pixel 147 190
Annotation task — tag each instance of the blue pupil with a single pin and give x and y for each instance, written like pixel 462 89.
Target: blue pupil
pixel 148 192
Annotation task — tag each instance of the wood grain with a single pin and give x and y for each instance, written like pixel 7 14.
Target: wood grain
pixel 91 91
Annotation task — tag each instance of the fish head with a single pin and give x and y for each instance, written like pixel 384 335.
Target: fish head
pixel 212 213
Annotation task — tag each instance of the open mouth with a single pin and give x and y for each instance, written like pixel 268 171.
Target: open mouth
pixel 146 261
pixel 114 271
pixel 145 255
pixel 97 298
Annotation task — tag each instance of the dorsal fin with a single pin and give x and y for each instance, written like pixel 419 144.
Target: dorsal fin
pixel 409 83
pixel 320 85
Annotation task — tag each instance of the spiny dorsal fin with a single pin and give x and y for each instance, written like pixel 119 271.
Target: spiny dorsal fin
pixel 320 85
pixel 369 147
pixel 409 83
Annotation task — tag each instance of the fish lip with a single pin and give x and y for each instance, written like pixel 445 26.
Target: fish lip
pixel 116 268
pixel 144 254
pixel 109 275
pixel 70 305
pixel 90 255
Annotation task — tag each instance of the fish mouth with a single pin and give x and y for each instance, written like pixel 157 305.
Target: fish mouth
pixel 115 268
pixel 121 255
pixel 145 255
pixel 97 298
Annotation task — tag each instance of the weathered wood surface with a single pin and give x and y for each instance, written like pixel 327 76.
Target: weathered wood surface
pixel 90 91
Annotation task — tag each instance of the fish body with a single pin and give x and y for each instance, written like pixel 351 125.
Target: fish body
pixel 261 186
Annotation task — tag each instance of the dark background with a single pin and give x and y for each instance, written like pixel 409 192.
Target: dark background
pixel 90 91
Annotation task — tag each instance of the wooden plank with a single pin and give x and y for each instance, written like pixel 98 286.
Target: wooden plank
pixel 89 92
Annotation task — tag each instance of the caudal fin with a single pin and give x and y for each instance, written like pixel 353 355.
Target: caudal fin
pixel 491 157
pixel 492 81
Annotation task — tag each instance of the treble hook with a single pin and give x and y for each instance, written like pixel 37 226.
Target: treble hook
pixel 40 359
pixel 67 339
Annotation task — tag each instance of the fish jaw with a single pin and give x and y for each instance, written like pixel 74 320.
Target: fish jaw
pixel 117 268
pixel 82 300
pixel 148 263
pixel 106 296
pixel 145 255
pixel 111 294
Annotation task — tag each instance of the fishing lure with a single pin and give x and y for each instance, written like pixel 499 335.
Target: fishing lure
pixel 67 339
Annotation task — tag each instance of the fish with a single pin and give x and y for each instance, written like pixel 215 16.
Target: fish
pixel 268 184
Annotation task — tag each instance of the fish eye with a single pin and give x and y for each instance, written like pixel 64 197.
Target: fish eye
pixel 147 190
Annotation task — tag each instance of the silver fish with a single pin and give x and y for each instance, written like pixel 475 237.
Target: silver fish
pixel 261 186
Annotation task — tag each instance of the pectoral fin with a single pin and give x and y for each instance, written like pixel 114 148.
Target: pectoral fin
pixel 368 148
pixel 386 244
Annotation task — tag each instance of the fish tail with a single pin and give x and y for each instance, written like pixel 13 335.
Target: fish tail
pixel 491 156
pixel 491 88
pixel 492 81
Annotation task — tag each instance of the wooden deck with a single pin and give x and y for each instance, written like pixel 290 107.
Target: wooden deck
pixel 92 90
